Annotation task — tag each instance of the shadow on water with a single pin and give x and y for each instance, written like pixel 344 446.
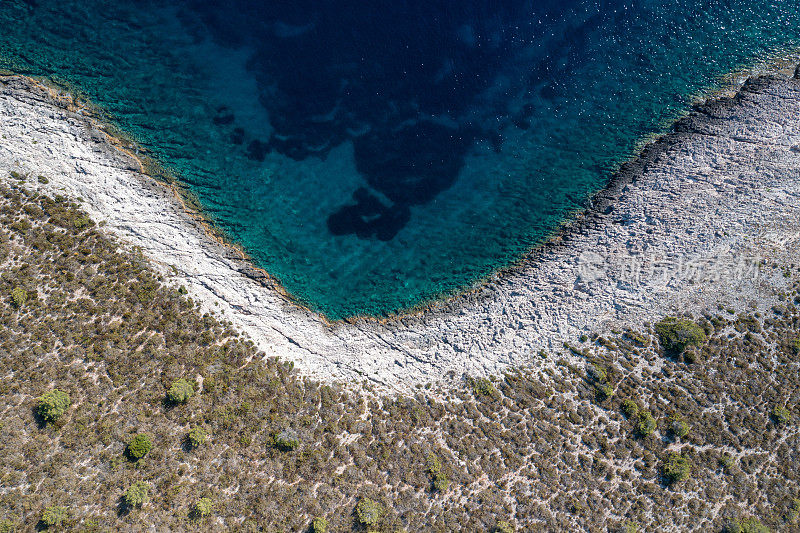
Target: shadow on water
pixel 397 79
pixel 409 166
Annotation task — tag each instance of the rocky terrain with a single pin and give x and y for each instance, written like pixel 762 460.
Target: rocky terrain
pixel 123 408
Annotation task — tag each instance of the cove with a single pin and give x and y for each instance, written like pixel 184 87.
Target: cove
pixel 375 158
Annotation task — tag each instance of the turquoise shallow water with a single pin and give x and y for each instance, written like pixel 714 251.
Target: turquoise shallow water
pixel 377 159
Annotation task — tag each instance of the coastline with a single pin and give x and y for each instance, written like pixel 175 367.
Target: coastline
pixel 546 299
pixel 77 101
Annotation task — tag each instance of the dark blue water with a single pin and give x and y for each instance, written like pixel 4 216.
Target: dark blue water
pixel 377 156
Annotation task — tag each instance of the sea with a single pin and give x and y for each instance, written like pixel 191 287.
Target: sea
pixel 377 157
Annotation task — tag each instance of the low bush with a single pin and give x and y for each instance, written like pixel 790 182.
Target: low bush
pixel 319 525
pixel 746 525
pixel 369 512
pixel 180 391
pixel 137 494
pixel 483 387
pixel 676 468
pixel 597 373
pixel 629 408
pixel 52 405
pixel 285 440
pixel 18 297
pixel 54 516
pixel 781 415
pixel 138 446
pixel 645 424
pixel 603 391
pixel 727 462
pixel 196 437
pixel 796 346
pixel 504 527
pixel 203 508
pixel 678 426
pixel 676 334
pixel 690 354
pixel 629 527
pixel 439 481
pixel 794 510
pixel 82 222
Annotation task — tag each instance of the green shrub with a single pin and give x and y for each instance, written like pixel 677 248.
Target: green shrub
pixel 794 511
pixel 319 525
pixel 369 512
pixel 746 525
pixel 439 481
pixel 629 527
pixel 203 508
pixel 197 437
pixel 180 391
pixel 82 222
pixel 483 387
pixel 796 346
pixel 597 373
pixel 645 423
pixel 603 391
pixel 18 297
pixel 138 446
pixel 678 426
pixel 52 405
pixel 676 468
pixel 43 180
pixel 286 440
pixel 676 334
pixel 727 462
pixel 54 516
pixel 504 527
pixel 781 415
pixel 629 408
pixel 137 494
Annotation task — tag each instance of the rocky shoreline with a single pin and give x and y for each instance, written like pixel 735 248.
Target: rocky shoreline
pixel 688 225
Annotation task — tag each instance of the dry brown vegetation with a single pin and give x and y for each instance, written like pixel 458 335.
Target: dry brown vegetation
pixel 533 449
